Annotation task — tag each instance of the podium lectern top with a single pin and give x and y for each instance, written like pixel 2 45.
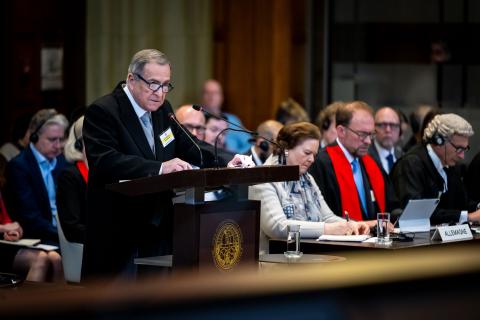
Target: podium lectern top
pixel 205 178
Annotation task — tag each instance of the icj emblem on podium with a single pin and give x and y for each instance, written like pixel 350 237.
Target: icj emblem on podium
pixel 227 245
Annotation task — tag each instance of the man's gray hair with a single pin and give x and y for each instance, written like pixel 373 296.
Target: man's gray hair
pixel 141 58
pixel 447 125
pixel 47 117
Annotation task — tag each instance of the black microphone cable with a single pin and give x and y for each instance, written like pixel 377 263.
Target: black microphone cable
pixel 172 117
pixel 240 129
pixel 215 146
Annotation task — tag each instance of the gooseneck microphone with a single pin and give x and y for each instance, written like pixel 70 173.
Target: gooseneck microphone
pixel 215 145
pixel 282 158
pixel 172 117
pixel 200 108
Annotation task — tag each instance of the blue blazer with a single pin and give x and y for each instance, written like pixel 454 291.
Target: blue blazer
pixel 27 197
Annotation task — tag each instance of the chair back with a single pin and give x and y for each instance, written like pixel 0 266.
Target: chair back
pixel 72 256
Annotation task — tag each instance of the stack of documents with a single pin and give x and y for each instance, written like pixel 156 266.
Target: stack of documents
pixel 30 243
pixel 352 238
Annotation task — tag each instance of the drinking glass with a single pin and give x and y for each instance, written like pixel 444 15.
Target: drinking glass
pixel 293 241
pixel 383 234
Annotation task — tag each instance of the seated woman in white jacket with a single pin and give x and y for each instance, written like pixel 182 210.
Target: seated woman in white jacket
pixel 298 202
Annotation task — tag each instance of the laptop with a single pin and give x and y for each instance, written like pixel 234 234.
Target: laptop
pixel 416 215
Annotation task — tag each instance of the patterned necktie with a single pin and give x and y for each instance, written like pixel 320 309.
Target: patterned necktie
pixel 148 129
pixel 389 162
pixel 357 176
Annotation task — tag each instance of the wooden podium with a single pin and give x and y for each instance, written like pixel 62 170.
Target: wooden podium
pixel 212 235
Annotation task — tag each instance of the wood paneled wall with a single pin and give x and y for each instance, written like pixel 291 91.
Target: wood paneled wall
pixel 259 55
pixel 29 26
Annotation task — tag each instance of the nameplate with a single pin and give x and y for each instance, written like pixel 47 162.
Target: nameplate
pixel 453 233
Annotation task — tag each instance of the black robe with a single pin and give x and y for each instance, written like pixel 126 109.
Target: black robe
pixel 415 177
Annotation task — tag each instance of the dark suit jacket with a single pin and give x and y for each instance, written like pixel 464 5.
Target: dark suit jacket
pixel 27 197
pixel 415 177
pixel 117 149
pixel 472 178
pixel 373 152
pixel 72 203
pixel 324 174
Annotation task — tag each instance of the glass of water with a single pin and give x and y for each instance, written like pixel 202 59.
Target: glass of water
pixel 383 234
pixel 293 242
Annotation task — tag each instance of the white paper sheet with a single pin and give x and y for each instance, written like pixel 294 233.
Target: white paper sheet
pixel 352 238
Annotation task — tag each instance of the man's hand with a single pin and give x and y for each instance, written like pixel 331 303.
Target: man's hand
pixel 175 165
pixel 474 216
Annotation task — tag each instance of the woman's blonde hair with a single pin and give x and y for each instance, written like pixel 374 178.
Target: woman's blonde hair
pixel 72 154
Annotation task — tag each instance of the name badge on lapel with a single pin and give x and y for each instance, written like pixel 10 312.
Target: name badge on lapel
pixel 167 137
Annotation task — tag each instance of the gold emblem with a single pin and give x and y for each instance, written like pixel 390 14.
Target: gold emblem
pixel 227 245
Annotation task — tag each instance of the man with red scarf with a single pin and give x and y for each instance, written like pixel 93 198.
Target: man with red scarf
pixel 350 180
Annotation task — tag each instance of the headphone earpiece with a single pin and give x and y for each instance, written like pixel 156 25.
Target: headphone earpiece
pixel 34 136
pixel 78 144
pixel 326 124
pixel 437 139
pixel 264 146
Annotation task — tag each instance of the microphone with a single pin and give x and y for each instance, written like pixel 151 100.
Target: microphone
pixel 215 145
pixel 200 108
pixel 282 158
pixel 172 117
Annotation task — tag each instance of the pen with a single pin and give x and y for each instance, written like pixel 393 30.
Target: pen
pixel 346 216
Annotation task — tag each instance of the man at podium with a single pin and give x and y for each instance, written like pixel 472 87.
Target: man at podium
pixel 129 134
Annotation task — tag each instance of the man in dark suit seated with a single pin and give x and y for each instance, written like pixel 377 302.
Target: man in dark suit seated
pixel 350 180
pixel 130 134
pixel 31 177
pixel 192 120
pixel 262 149
pixel 384 149
pixel 326 123
pixel 429 170
pixel 472 178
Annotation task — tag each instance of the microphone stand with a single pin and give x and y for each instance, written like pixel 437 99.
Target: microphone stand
pixel 172 117
pixel 215 146
pixel 282 158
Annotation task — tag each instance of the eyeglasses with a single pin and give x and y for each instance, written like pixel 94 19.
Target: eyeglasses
pixel 191 127
pixel 459 149
pixel 363 135
pixel 155 86
pixel 385 125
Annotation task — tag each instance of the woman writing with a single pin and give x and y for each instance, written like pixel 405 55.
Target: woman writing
pixel 298 202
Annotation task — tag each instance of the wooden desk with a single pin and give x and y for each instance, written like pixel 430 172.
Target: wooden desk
pixel 436 282
pixel 158 261
pixel 422 239
pixel 304 259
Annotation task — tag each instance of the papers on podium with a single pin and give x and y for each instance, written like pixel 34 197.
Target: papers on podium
pixel 351 238
pixel 416 215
